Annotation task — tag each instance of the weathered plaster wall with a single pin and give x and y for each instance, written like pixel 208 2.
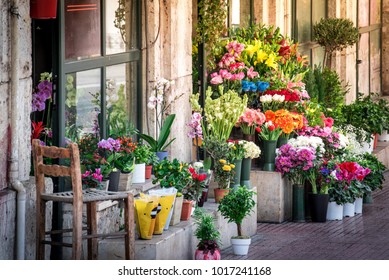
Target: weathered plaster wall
pixel 385 48
pixel 168 55
pixel 8 196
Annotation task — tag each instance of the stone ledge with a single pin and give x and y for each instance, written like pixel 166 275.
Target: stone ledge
pixel 178 242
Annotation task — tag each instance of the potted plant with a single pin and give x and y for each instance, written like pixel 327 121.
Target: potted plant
pixel 222 168
pixel 159 145
pixel 173 173
pixel 208 236
pixel 142 154
pixel 126 162
pixel 334 34
pixel 150 162
pixel 109 150
pixel 235 206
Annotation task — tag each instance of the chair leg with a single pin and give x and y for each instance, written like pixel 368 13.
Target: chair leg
pixel 77 230
pixel 40 229
pixel 129 227
pixel 92 229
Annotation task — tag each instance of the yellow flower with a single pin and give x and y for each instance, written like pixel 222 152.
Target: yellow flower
pixel 271 61
pixel 232 165
pixel 222 161
pixel 226 168
pixel 261 57
pixel 251 49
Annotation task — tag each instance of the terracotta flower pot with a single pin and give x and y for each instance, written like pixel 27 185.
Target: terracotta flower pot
pixel 148 170
pixel 220 193
pixel 186 210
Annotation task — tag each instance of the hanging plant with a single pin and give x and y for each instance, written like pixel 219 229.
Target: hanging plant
pixel 211 25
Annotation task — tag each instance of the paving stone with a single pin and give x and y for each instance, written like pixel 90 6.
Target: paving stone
pixel 362 237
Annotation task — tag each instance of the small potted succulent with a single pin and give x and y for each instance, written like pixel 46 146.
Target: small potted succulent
pixel 235 206
pixel 208 236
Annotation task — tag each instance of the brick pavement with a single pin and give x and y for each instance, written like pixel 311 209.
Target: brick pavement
pixel 362 237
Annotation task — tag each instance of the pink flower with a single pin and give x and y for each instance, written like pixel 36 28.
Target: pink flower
pixel 217 80
pixel 251 73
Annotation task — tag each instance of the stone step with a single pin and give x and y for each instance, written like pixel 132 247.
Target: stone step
pixel 178 242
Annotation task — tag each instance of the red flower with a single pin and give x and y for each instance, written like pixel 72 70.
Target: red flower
pixel 258 129
pixel 202 177
pixel 37 129
pixel 271 127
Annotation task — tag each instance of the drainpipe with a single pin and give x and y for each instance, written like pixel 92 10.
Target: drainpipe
pixel 14 149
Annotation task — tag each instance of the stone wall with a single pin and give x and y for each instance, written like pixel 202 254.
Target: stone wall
pixel 385 48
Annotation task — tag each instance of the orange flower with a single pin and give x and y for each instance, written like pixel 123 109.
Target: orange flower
pixel 270 116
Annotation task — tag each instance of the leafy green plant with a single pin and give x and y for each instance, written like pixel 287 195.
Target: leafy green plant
pixel 365 113
pixel 334 34
pixel 236 205
pixel 159 145
pixel 211 25
pixel 206 231
pixel 375 178
pixel 172 174
pixel 325 88
pixel 142 153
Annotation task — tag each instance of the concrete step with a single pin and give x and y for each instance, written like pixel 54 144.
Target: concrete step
pixel 178 242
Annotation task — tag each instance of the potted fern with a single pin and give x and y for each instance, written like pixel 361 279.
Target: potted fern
pixel 235 206
pixel 208 236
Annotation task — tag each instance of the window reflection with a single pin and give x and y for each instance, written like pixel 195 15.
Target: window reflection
pixel 82 103
pixel 121 25
pixel 82 29
pixel 121 97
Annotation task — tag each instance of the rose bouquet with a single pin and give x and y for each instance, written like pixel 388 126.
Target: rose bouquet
pixel 249 120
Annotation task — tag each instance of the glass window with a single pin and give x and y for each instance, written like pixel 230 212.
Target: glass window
pixel 121 26
pixel 303 20
pixel 82 29
pixel 82 103
pixel 239 13
pixel 115 78
pixel 121 98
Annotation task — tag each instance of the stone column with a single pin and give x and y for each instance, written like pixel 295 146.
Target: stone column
pixel 385 49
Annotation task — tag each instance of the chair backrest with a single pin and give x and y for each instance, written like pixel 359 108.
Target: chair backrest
pixel 41 169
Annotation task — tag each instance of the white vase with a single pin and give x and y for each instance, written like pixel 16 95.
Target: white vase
pixel 240 246
pixel 368 147
pixel 139 173
pixel 384 136
pixel 358 205
pixel 349 210
pixel 334 211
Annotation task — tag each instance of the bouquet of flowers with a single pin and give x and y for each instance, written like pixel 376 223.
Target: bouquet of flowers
pixel 299 159
pixel 221 113
pixel 236 149
pixel 251 150
pixel 344 180
pixel 224 172
pixel 249 120
pixel 296 162
pixel 193 190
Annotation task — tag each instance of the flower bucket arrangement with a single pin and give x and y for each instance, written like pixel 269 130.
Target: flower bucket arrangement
pixel 345 181
pixel 251 151
pixel 249 121
pixel 236 156
pixel 298 161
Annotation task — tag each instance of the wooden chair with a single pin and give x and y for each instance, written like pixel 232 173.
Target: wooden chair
pixel 77 197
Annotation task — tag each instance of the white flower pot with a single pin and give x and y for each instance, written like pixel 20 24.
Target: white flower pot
pixel 349 210
pixel 384 136
pixel 240 246
pixel 334 211
pixel 139 173
pixel 368 147
pixel 358 205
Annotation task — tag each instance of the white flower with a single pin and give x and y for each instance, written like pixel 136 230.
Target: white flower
pixel 251 150
pixel 266 98
pixel 278 98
